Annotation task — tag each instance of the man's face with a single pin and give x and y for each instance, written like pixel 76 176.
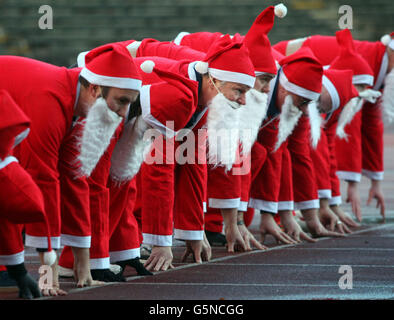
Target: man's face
pixel 119 100
pixel 262 83
pixel 233 91
pixel 300 102
pixel 325 102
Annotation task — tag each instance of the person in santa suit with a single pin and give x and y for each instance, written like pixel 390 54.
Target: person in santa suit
pixel 290 94
pixel 218 78
pixel 338 94
pixel 380 57
pixel 21 200
pixel 51 108
pixel 228 192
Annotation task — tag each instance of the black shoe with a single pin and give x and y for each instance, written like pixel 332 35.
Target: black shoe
pixel 137 265
pixel 106 275
pixel 28 287
pixel 7 284
pixel 216 239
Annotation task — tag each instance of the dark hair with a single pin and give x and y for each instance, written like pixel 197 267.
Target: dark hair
pixel 85 83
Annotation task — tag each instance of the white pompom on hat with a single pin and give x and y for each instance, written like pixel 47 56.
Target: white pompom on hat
pixel 280 10
pixel 147 66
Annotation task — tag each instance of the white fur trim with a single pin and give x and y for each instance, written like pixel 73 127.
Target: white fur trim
pixel 224 203
pixel 122 83
pixel 188 234
pixel 243 206
pixel 332 92
pixel 20 137
pixel 123 255
pixel 100 263
pixel 308 94
pixel 335 201
pixel 147 66
pixel 180 36
pixel 324 193
pixel 280 10
pixel 157 240
pixel 285 205
pixel 363 79
pixel 149 118
pixel 81 59
pixel 373 175
pixel 382 72
pixel 133 48
pixel 231 76
pixel 309 204
pixel 388 97
pixel 75 241
pixel 7 161
pixel 268 206
pixel 12 259
pixel 349 175
pixel 42 242
pixel 201 67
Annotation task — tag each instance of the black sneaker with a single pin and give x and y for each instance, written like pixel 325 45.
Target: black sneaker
pixel 7 284
pixel 106 275
pixel 216 239
pixel 137 265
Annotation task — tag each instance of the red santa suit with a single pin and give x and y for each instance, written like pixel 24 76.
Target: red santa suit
pixel 187 226
pixel 266 193
pixel 21 200
pixel 48 99
pixel 368 158
pixel 229 189
pixel 338 83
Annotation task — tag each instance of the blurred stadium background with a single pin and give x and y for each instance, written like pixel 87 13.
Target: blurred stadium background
pixel 82 25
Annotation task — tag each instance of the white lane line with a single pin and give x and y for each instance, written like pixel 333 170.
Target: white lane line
pixel 252 284
pixel 348 249
pixel 302 265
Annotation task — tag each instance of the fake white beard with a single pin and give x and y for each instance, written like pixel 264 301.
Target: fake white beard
pixel 315 121
pixel 130 150
pixel 348 112
pixel 288 120
pixel 388 97
pixel 100 125
pixel 223 132
pixel 251 116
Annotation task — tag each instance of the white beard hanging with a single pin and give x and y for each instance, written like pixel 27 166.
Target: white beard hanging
pixel 288 119
pixel 388 97
pixel 130 150
pixel 348 112
pixel 222 131
pixel 315 121
pixel 100 125
pixel 251 116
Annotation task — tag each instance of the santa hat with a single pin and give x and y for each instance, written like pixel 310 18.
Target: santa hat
pixel 21 201
pixel 348 58
pixel 173 98
pixel 302 74
pixel 339 85
pixel 228 60
pixel 13 122
pixel 256 40
pixel 388 40
pixel 110 65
